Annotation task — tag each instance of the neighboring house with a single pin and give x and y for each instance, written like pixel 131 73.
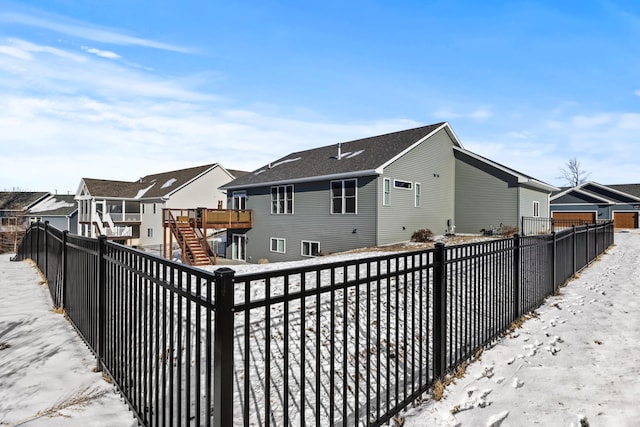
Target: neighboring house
pixel 60 211
pixel 591 201
pixel 489 195
pixel 131 212
pixel 13 220
pixel 376 191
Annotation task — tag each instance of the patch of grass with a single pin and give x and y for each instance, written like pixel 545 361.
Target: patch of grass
pixel 398 421
pixel 438 390
pixel 80 398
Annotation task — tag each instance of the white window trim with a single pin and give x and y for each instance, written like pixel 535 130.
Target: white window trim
pixel 278 239
pixel 417 194
pixel 311 242
pixel 536 207
pixel 286 186
pixel 396 181
pixel 386 192
pixel 344 205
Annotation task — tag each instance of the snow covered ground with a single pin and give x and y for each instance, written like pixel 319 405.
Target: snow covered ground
pixel 46 370
pixel 575 363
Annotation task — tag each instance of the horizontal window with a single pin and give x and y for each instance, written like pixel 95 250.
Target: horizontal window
pixel 398 183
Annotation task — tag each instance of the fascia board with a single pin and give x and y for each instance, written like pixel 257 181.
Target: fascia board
pixel 306 179
pixel 522 179
pixel 420 141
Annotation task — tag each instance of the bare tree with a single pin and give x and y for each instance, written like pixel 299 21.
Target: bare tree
pixel 573 174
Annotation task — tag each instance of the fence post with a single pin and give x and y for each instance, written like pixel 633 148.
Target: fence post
pixel 223 349
pixel 37 245
pixel 64 268
pixel 554 261
pixel 439 311
pixel 102 292
pixel 516 277
pixel 46 250
pixel 575 250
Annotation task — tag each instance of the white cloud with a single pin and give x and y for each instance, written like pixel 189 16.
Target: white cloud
pixel 82 30
pixel 479 114
pixel 102 53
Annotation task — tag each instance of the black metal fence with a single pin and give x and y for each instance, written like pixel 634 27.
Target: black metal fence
pixel 539 225
pixel 345 343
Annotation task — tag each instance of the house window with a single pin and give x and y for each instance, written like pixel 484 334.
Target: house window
pixel 239 200
pixel 398 183
pixel 310 248
pixel 536 209
pixel 277 245
pixel 386 187
pixel 282 199
pixel 143 208
pixel 343 196
pixel 149 232
pixel 154 208
pixel 418 189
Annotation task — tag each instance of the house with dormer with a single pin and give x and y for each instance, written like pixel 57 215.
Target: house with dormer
pixel 376 191
pixel 590 201
pixel 131 212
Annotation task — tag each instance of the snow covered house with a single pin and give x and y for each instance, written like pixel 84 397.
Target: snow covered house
pixel 376 191
pixel 59 210
pixel 131 212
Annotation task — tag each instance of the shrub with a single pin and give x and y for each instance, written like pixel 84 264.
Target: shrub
pixel 507 230
pixel 424 235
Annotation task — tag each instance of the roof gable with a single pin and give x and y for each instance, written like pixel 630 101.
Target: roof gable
pixel 151 186
pixel 592 192
pixel 353 158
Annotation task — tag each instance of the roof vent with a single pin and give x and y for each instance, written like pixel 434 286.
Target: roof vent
pixel 339 155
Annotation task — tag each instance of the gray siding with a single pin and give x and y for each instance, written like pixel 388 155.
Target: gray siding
pixel 311 221
pixel 484 198
pixel 528 196
pixel 432 165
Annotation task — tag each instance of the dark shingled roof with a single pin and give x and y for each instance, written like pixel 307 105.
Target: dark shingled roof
pixel 19 200
pixel 361 155
pixel 151 186
pixel 632 189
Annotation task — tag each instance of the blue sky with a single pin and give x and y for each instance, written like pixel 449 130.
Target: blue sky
pixel 123 89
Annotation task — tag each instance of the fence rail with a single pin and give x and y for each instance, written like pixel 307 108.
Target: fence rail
pixel 351 343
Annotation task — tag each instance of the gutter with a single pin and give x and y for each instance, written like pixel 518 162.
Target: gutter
pixel 343 175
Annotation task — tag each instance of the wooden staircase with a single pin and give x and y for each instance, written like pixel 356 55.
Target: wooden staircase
pixel 194 251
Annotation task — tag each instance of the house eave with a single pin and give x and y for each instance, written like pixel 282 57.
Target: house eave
pixel 343 175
